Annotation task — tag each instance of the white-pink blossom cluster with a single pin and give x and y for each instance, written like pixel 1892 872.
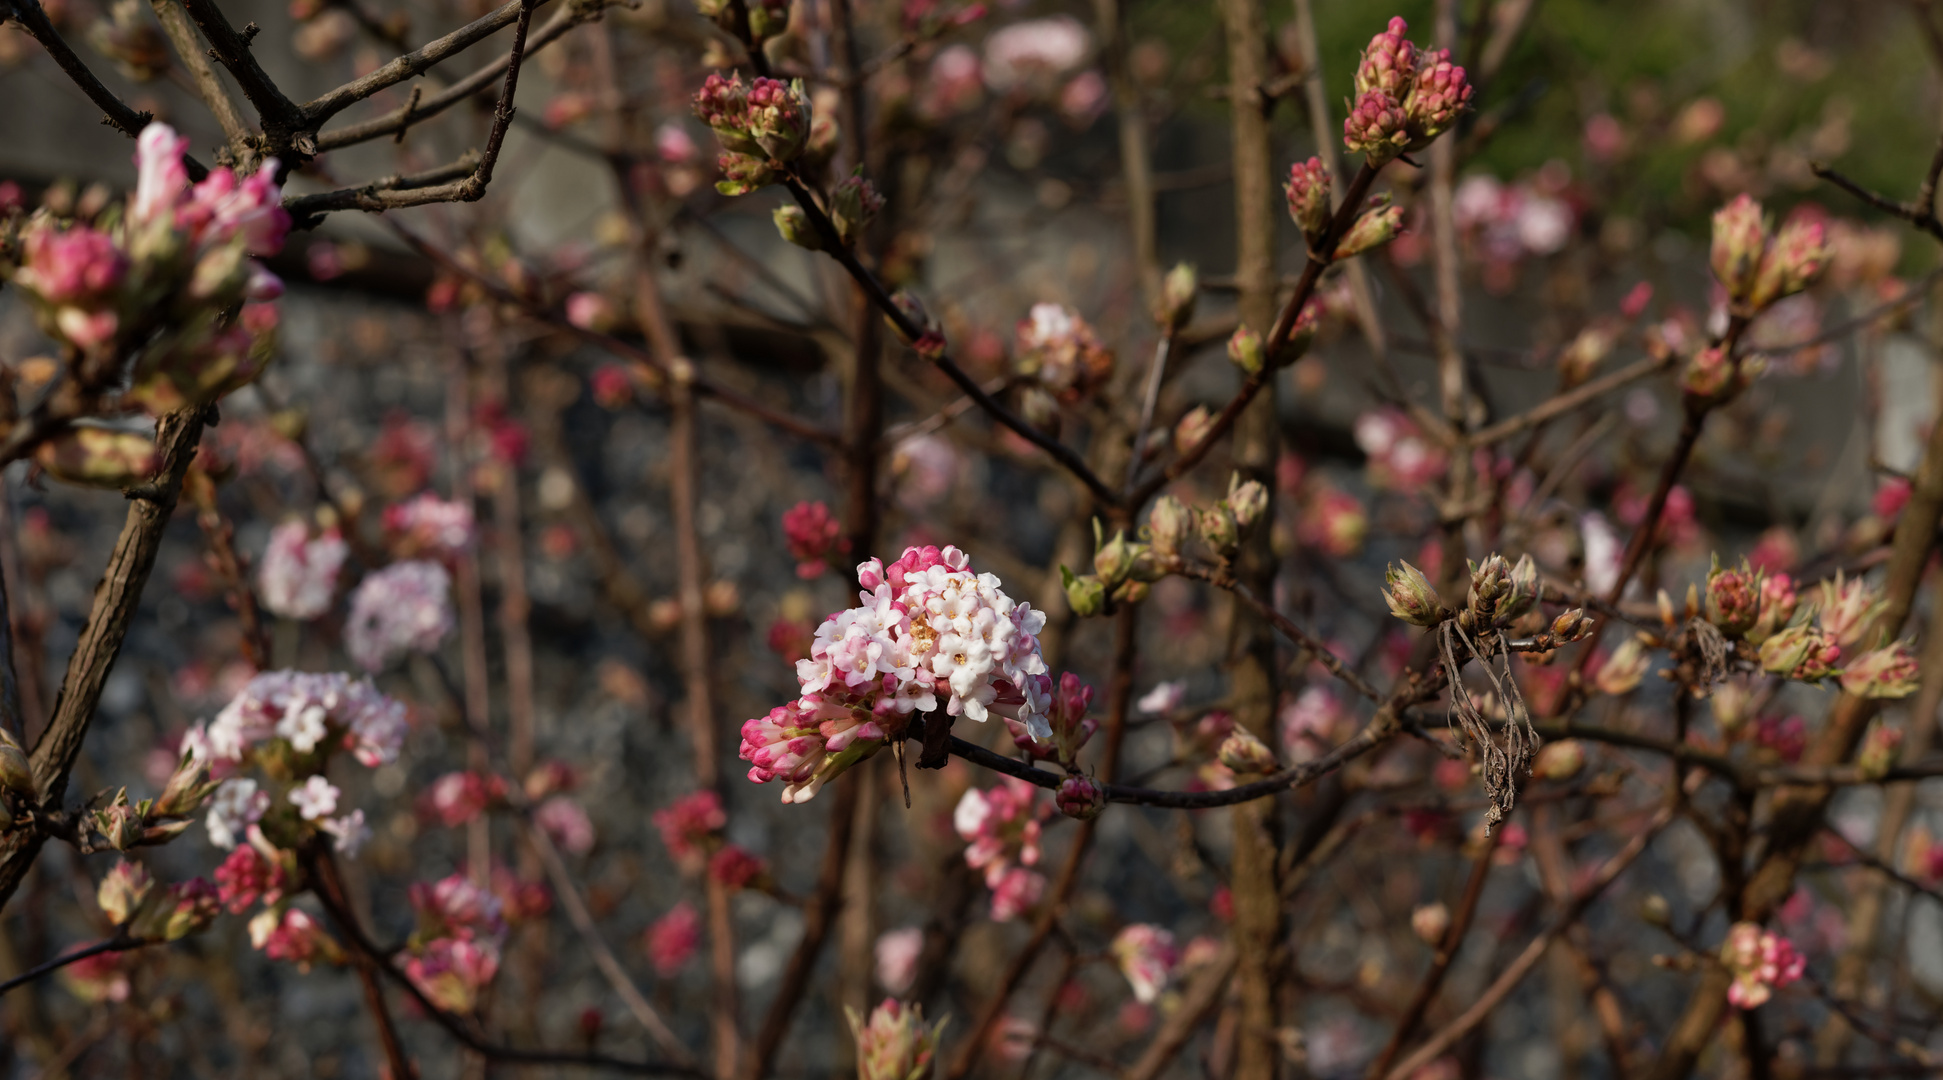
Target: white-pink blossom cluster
pixel 404 608
pixel 1003 824
pixel 1761 962
pixel 1147 957
pixel 1034 52
pixel 298 575
pixel 929 634
pixel 430 525
pixel 303 712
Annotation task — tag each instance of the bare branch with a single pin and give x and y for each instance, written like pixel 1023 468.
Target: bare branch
pixel 283 121
pixel 416 63
pixel 1561 404
pixel 215 96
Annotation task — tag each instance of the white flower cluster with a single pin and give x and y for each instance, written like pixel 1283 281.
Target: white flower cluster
pixel 931 629
pixel 404 608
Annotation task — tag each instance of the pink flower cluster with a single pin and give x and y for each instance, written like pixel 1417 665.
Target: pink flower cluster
pixel 1002 825
pixel 1147 957
pixel 690 824
pixel 1061 351
pixel 298 575
pixel 404 608
pixel 1761 962
pixel 1066 715
pixel 814 535
pixel 929 633
pixel 427 525
pixel 178 260
pixel 287 933
pixel 458 797
pixel 253 873
pixel 672 939
pixel 455 950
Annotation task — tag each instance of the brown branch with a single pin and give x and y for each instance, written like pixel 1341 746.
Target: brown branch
pixel 461 1031
pixel 1305 287
pixel 118 943
pixel 1120 691
pixel 115 600
pixel 283 121
pixel 425 57
pixel 912 332
pixel 1223 578
pixel 330 881
pixel 1440 962
pixel 1559 405
pixel 472 85
pixel 188 48
pixel 818 914
pixel 1508 980
pixel 1924 219
pixel 386 193
pixel 118 113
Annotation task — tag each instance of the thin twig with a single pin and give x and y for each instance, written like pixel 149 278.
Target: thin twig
pixel 1223 578
pixel 118 943
pixel 422 59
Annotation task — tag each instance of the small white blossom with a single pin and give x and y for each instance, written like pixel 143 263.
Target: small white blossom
pixel 235 806
pixel 315 798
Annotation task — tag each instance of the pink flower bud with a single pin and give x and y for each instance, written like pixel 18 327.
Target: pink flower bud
pixel 1411 597
pixel 1880 746
pixel 813 536
pixel 735 867
pixel 1309 197
pixel 1245 349
pixel 1560 760
pixel 1430 922
pixel 1888 672
pixel 672 939
pixel 1847 609
pixel 853 205
pixel 1080 797
pixel 1192 428
pixel 895 1043
pixel 1778 605
pixel 1439 94
pixel 123 891
pixel 1571 625
pixel 591 311
pixel 1734 598
pixel 1375 127
pixel 1246 754
pixel 1177 295
pixel 1801 652
pixel 1791 263
pixel 1389 62
pixel 454 973
pixel 1377 226
pixel 1147 956
pixel 1740 242
pixel 1167 527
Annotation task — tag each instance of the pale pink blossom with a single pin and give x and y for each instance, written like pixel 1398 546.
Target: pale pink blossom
pixel 1147 957
pixel 304 709
pixel 404 608
pixel 1034 52
pixel 455 907
pixel 235 806
pixel 897 958
pixel 316 797
pixel 1163 698
pixel 292 935
pixel 1761 962
pixel 348 833
pixel 566 824
pixel 1016 892
pixel 298 575
pixel 458 797
pixel 429 525
pixel 453 972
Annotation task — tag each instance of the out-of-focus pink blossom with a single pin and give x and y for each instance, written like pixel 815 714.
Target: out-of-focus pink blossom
pixel 689 824
pixel 305 710
pixel 566 824
pixel 453 972
pixel 1016 892
pixel 1163 698
pixel 1761 962
pixel 454 907
pixel 672 939
pixel 591 311
pixel 897 954
pixel 298 575
pixel 1147 957
pixel 1400 456
pixel 97 979
pixel 249 876
pixel 429 525
pixel 1035 53
pixel 1002 826
pixel 814 537
pixel 292 935
pixel 736 867
pixel 404 608
pixel 236 806
pixel 1308 723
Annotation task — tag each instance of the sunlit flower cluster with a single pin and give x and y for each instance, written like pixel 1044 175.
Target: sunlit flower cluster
pixel 928 634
